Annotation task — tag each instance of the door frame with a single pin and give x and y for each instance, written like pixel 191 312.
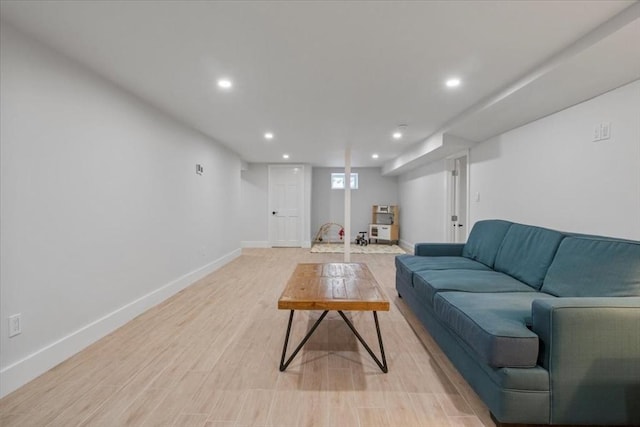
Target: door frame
pixel 301 202
pixel 449 233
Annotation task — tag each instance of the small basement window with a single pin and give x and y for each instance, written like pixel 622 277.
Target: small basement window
pixel 337 181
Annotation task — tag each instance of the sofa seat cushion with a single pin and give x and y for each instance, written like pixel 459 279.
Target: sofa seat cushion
pixel 430 282
pixel 420 263
pixel 492 324
pixel 406 265
pixel 526 253
pixel 594 267
pixel 484 240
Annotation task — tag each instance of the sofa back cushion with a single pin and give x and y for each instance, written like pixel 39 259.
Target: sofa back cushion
pixel 526 253
pixel 484 240
pixel 594 267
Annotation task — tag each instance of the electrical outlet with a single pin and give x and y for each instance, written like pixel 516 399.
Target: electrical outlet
pixel 14 325
pixel 602 131
pixel 597 133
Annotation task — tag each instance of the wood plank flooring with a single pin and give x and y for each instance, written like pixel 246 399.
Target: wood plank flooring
pixel 209 357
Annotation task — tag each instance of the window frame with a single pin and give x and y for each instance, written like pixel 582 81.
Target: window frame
pixel 335 176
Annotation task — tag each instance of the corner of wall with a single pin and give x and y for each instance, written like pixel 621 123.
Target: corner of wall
pixel 406 245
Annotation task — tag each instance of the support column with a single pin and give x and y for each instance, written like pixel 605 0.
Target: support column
pixel 347 205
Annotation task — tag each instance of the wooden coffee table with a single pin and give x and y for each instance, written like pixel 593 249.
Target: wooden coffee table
pixel 333 286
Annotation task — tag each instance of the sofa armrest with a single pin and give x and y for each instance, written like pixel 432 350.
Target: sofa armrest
pixel 438 249
pixel 591 348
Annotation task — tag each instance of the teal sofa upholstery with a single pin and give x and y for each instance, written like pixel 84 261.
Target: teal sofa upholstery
pixel 543 324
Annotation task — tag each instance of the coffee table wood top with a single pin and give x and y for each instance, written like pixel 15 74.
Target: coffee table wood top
pixel 333 286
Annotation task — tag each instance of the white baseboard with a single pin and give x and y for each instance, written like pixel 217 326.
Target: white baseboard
pixel 255 244
pixel 21 372
pixel 265 244
pixel 406 245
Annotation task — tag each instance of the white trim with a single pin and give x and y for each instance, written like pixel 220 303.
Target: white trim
pixel 21 372
pixel 467 223
pixel 255 244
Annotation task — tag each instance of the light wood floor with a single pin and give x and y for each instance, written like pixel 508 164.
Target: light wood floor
pixel 209 357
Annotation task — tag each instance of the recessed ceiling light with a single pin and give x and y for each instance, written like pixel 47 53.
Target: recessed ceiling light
pixel 399 132
pixel 454 82
pixel 268 135
pixel 224 83
pixel 374 156
pixel 285 156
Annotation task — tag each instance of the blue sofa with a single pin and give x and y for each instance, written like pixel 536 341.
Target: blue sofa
pixel 544 325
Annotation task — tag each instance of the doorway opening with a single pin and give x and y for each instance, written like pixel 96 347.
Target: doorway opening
pixel 457 218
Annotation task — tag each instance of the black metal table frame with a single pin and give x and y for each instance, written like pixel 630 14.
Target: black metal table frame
pixel 382 364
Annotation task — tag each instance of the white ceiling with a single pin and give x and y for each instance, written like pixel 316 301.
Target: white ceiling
pixel 326 75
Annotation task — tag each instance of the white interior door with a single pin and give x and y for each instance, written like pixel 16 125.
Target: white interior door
pixel 458 197
pixel 286 196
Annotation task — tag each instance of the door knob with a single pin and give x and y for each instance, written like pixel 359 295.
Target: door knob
pixel 274 212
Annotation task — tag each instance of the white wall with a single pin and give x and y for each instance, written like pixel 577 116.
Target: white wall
pixel 422 198
pixel 327 205
pixel 102 214
pixel 254 231
pixel 548 173
pixel 551 173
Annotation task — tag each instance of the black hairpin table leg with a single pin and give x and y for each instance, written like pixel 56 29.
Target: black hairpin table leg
pixel 283 364
pixel 382 364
